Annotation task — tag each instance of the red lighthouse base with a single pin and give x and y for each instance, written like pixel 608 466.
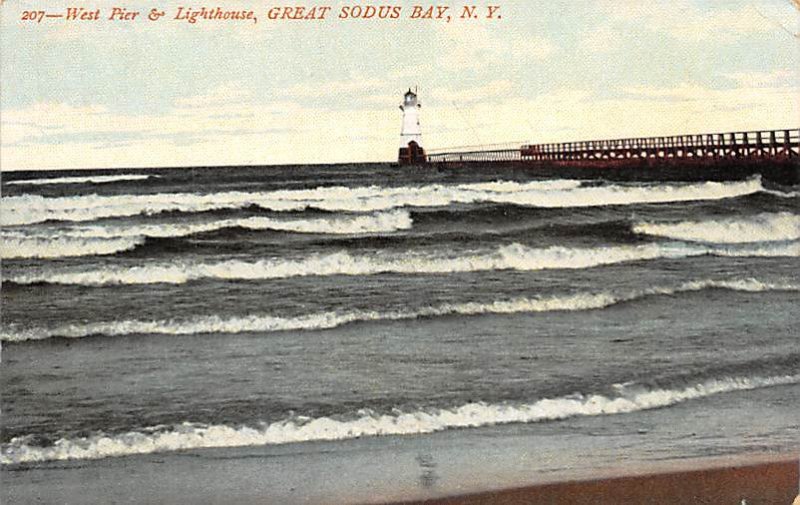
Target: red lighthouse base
pixel 414 154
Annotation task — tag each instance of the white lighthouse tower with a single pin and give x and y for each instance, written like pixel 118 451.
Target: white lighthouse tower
pixel 411 151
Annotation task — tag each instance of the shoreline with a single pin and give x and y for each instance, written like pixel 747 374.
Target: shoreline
pixel 750 480
pixel 577 460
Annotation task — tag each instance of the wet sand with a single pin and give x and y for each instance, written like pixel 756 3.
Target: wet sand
pixel 755 483
pixel 371 473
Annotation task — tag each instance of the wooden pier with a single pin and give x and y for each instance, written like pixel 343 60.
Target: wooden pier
pixel 773 154
pixel 773 144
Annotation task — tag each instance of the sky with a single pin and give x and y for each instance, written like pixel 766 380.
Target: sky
pixel 117 94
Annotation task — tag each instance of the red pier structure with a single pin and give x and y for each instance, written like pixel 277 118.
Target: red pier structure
pixel 772 153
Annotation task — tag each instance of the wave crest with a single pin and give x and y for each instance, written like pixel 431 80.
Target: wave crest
pixel 509 257
pixel 63 247
pixel 187 436
pixel 766 227
pixel 326 320
pixel 100 240
pixel 94 179
pixel 29 209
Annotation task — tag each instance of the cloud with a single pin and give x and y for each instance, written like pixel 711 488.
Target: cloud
pixel 784 77
pixel 60 136
pixel 683 91
pixel 482 47
pixel 355 87
pixel 686 20
pixel 234 92
pixel 194 94
pixel 466 95
pixel 573 114
pixel 604 39
pixel 755 98
pixel 222 126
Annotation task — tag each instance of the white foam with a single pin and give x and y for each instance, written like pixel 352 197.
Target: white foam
pixel 351 224
pixel 768 250
pixel 326 320
pixel 61 247
pixel 96 179
pixel 626 195
pixel 509 257
pixel 781 194
pixel 366 423
pixel 748 285
pixel 28 209
pixel 54 242
pixel 765 227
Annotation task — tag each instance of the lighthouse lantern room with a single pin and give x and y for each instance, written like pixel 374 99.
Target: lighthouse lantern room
pixel 411 151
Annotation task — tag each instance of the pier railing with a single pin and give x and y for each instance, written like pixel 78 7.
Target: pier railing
pixel 770 144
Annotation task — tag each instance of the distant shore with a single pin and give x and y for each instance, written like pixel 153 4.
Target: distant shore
pixel 750 481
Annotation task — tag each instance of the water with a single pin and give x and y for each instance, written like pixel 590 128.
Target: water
pixel 158 311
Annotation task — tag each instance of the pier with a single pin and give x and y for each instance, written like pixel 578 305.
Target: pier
pixel 772 153
pixel 773 144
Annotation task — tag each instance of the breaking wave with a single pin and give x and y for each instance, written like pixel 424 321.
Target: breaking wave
pixel 326 320
pixel 99 240
pixel 63 247
pixel 509 257
pixel 761 228
pixel 94 179
pixel 367 423
pixel 781 194
pixel 774 250
pixel 28 209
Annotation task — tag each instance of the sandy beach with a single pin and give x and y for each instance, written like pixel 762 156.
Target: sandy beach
pixel 370 475
pixel 457 467
pixel 751 482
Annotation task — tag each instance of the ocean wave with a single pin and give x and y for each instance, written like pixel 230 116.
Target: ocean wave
pixel 508 257
pixel 29 209
pixel 94 179
pixel 327 320
pixel 768 250
pixel 366 423
pixel 63 247
pixel 765 227
pixel 782 194
pixel 99 240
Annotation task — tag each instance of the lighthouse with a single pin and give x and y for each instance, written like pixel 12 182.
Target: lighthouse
pixel 411 151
